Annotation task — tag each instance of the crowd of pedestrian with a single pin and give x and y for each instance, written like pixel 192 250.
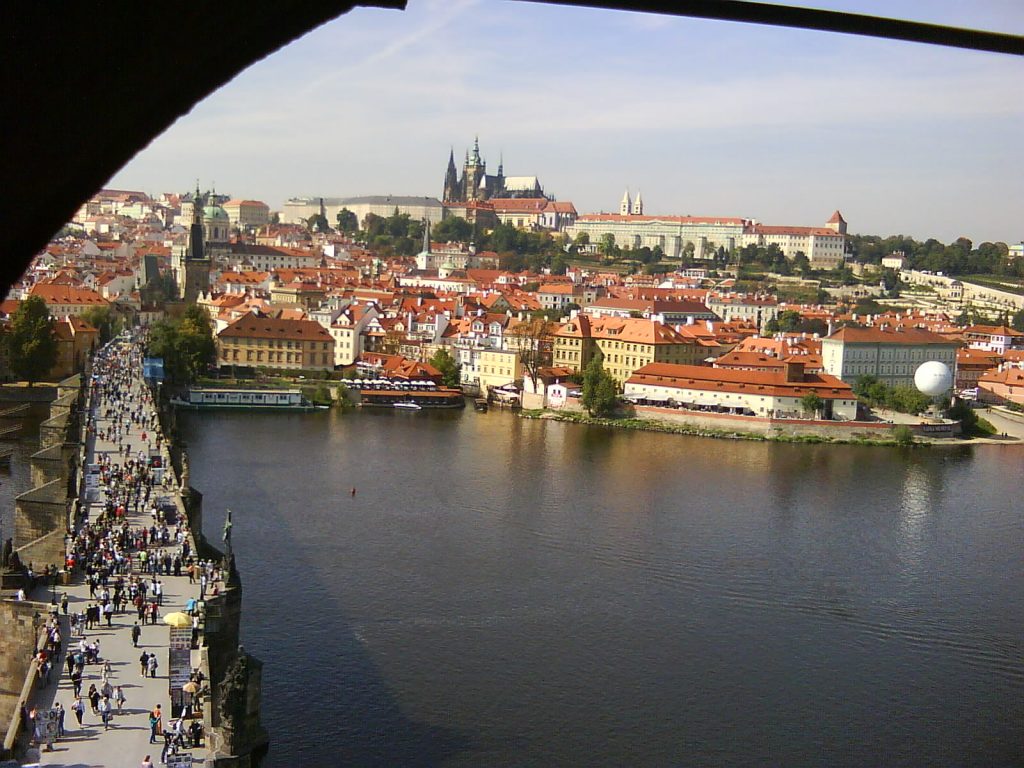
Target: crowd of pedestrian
pixel 121 559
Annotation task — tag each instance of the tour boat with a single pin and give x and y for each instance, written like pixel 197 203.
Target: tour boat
pixel 409 406
pixel 250 399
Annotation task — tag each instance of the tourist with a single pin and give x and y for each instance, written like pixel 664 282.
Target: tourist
pixel 94 699
pixel 119 698
pixel 146 762
pixel 153 664
pixel 78 707
pixel 136 634
pixel 144 663
pixel 105 709
pixel 155 724
pixel 59 710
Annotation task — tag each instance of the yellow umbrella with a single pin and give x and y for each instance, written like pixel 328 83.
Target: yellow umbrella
pixel 190 687
pixel 178 619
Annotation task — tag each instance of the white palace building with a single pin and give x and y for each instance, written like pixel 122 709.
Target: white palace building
pixel 824 246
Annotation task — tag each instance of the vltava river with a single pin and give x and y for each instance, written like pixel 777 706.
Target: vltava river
pixel 508 592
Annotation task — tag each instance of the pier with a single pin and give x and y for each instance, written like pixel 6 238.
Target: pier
pixel 113 451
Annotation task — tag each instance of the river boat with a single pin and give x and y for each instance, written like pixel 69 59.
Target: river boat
pixel 246 399
pixel 409 406
pixel 480 404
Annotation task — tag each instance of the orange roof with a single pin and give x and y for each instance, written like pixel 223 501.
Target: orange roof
pixel 633 330
pixel 747 382
pixel 725 220
pixel 66 294
pixel 260 327
pixel 888 335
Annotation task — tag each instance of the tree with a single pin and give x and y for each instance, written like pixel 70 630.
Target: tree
pixel 532 339
pixel 962 412
pixel 1017 323
pixel 812 403
pixel 103 320
pixel 607 244
pixel 451 371
pixel 186 345
pixel 31 343
pixel 348 222
pixel 318 223
pixel 599 395
pixel 452 229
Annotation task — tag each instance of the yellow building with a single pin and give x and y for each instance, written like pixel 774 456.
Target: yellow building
pixel 272 342
pixel 497 368
pixel 627 343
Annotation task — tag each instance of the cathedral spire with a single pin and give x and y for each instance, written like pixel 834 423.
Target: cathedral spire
pixel 626 206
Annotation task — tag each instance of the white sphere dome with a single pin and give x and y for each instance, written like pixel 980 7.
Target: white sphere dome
pixel 933 378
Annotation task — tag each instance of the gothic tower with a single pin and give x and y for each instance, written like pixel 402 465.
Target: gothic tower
pixel 451 180
pixel 625 207
pixel 196 267
pixel 473 174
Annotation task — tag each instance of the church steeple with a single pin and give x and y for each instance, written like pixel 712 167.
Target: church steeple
pixel 451 179
pixel 626 206
pixel 195 235
pixel 638 205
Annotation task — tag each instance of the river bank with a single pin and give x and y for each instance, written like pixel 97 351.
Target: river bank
pixel 679 428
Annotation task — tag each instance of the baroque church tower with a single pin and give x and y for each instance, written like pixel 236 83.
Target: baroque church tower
pixel 194 271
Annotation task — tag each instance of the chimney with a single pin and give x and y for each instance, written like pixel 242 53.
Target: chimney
pixel 794 371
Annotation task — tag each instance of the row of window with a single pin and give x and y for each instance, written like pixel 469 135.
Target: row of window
pixel 279 343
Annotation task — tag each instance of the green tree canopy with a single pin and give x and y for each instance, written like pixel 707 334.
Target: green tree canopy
pixel 452 229
pixel 348 222
pixel 318 223
pixel 31 343
pixel 451 371
pixel 185 344
pixel 105 321
pixel 811 403
pixel 599 395
pixel 1017 323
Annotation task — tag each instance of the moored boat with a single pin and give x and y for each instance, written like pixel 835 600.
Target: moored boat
pixel 249 399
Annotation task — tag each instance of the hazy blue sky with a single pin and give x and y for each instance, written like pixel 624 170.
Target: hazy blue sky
pixel 705 118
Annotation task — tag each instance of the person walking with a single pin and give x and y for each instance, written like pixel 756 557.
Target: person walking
pixel 59 709
pixel 94 699
pixel 136 634
pixel 144 663
pixel 76 680
pixel 119 698
pixel 146 762
pixel 78 707
pixel 105 711
pixel 155 724
pixel 153 664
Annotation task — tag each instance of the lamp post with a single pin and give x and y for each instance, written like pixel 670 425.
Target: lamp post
pixel 53 585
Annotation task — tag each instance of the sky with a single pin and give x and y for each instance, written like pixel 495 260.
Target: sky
pixel 704 118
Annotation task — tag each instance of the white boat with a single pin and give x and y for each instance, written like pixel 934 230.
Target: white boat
pixel 254 399
pixel 409 406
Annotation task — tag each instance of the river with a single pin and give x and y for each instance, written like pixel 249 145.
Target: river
pixel 504 592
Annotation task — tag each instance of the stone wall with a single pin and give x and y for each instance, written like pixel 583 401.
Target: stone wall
pixel 17 627
pixel 40 523
pixel 844 430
